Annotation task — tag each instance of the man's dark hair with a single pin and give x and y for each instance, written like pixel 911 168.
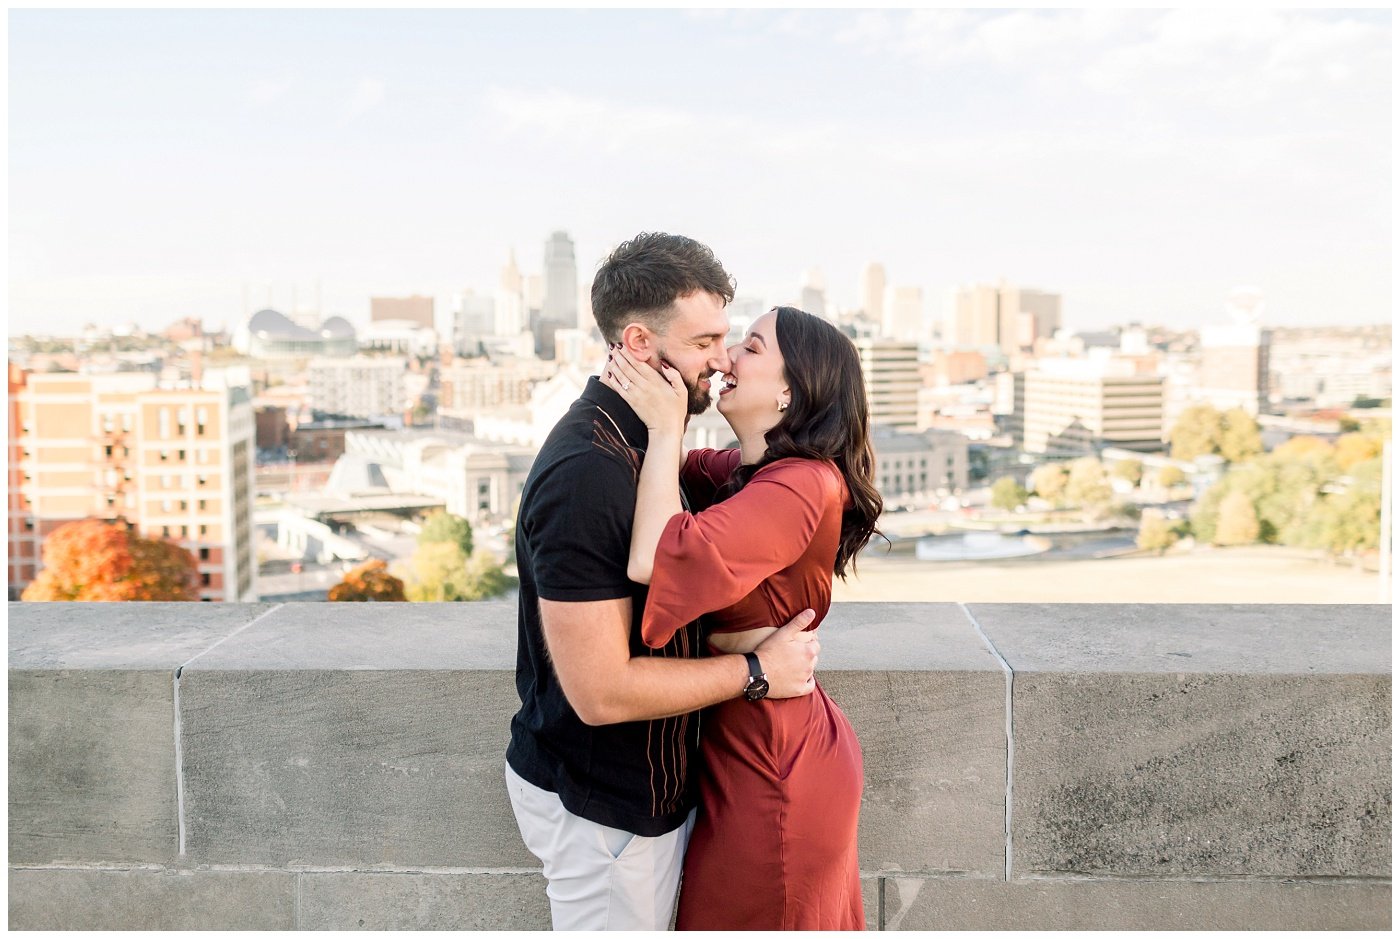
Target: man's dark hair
pixel 643 277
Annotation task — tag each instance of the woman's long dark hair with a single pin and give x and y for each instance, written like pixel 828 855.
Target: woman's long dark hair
pixel 828 418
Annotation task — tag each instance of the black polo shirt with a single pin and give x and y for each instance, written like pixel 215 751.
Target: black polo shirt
pixel 571 544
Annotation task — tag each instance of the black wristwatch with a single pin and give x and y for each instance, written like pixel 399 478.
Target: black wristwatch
pixel 757 687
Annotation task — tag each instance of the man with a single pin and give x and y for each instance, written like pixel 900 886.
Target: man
pixel 597 766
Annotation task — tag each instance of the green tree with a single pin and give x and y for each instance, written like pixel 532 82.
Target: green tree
pixel 1131 470
pixel 1007 494
pixel 1196 432
pixel 1155 534
pixel 1348 522
pixel 1170 476
pixel 1205 514
pixel 1238 523
pixel 438 572
pixel 485 577
pixel 1048 481
pixel 441 527
pixel 1239 436
pixel 1088 484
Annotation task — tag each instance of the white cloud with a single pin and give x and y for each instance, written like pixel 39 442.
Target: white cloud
pixel 1220 60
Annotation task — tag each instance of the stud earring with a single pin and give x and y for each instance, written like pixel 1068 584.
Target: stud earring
pixel 782 405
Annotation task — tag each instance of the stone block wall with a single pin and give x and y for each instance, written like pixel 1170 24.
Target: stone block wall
pixel 319 766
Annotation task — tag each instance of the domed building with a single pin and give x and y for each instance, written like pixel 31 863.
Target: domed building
pixel 269 334
pixel 338 337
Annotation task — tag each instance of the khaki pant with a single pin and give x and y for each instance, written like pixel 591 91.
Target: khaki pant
pixel 599 877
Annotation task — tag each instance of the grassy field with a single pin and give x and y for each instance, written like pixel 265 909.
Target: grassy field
pixel 1257 574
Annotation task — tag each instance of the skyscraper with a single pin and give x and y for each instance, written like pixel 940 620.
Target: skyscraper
pixel 903 313
pixel 473 318
pixel 872 291
pixel 1002 315
pixel 813 293
pixel 510 300
pixel 559 305
pixel 560 280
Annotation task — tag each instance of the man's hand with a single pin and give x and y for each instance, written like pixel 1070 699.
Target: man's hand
pixel 789 658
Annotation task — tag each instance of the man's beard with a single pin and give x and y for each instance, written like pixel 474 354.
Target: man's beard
pixel 697 399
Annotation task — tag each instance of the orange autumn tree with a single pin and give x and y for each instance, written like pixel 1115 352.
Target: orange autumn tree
pixel 371 582
pixel 98 560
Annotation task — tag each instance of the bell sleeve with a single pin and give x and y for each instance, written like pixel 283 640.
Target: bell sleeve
pixel 704 471
pixel 712 559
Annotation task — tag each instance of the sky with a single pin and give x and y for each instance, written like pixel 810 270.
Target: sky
pixel 168 163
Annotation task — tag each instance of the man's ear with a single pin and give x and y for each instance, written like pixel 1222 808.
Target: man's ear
pixel 639 341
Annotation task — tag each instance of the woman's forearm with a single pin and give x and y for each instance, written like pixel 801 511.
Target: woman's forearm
pixel 658 498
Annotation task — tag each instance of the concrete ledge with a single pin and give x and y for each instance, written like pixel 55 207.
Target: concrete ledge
pixel 932 732
pixel 1027 766
pixel 1241 741
pixel 418 901
pixel 138 899
pixel 951 904
pixel 91 723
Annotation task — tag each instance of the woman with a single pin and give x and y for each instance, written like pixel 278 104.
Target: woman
pixel 774 845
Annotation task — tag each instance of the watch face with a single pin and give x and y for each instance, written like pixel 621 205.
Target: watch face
pixel 756 690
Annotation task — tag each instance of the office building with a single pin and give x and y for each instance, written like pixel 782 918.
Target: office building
pixel 891 371
pixel 482 386
pixel 1075 407
pixel 174 463
pixel 473 320
pixel 1234 370
pixel 475 479
pixel 812 293
pixel 511 315
pixel 24 538
pixel 918 467
pixel 365 387
pixel 560 304
pixel 415 309
pixel 1001 315
pixel 399 337
pixel 872 291
pixel 903 314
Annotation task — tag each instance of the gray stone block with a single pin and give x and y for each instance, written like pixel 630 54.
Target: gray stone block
pixel 325 736
pixel 92 767
pixel 928 702
pixel 356 900
pixel 1185 740
pixel 364 769
pixel 1202 774
pixel 958 904
pixel 91 725
pixel 870 897
pixel 129 636
pixel 1221 638
pixel 152 899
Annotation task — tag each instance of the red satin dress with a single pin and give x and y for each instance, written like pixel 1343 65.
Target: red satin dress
pixel 774 845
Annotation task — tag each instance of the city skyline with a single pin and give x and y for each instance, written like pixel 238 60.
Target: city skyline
pixel 1139 164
